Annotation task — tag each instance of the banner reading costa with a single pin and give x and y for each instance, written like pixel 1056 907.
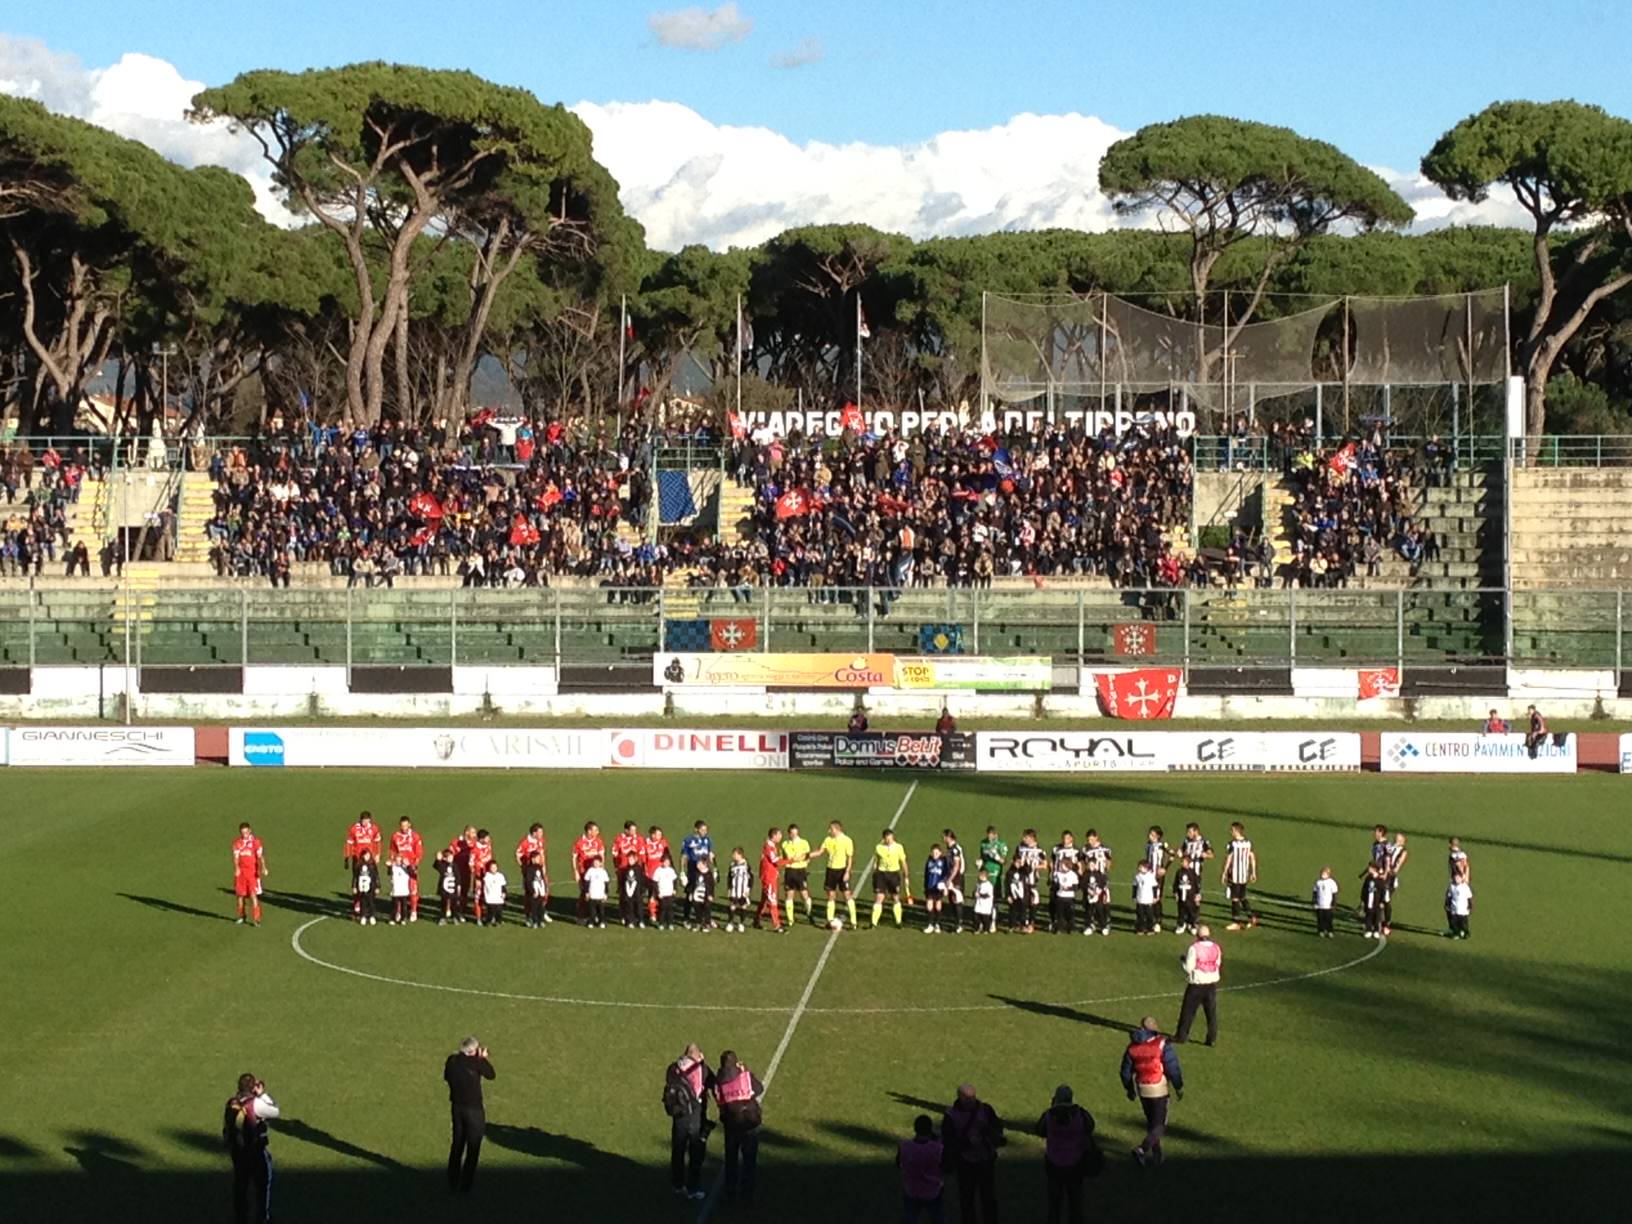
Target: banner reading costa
pixel 644 748
pixel 416 748
pixel 1469 752
pixel 99 747
pixel 880 750
pixel 1166 751
pixel 750 670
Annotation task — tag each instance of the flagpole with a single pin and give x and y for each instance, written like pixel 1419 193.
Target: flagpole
pixel 623 335
pixel 857 348
pixel 739 356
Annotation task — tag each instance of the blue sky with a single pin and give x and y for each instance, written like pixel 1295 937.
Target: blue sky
pixel 1380 78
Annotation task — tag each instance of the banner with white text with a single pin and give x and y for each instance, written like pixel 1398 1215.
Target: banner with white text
pixel 645 748
pixel 101 747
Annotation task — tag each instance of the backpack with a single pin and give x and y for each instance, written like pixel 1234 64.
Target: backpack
pixel 678 1098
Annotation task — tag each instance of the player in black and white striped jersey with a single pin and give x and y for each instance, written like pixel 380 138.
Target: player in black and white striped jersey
pixel 1065 857
pixel 1195 849
pixel 1097 860
pixel 1029 863
pixel 1240 870
pixel 1095 855
pixel 1157 855
pixel 1457 862
pixel 1394 860
pixel 957 882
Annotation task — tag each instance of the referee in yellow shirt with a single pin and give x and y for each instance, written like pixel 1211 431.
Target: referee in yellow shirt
pixel 796 869
pixel 890 872
pixel 841 853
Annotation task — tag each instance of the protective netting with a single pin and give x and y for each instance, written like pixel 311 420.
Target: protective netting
pixel 1052 346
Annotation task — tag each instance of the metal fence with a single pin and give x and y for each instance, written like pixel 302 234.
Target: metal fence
pixel 234 626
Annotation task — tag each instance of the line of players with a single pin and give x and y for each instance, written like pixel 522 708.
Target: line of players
pixel 470 884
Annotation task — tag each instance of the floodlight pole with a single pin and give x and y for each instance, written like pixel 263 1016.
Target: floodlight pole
pixel 623 335
pixel 983 365
pixel 1456 441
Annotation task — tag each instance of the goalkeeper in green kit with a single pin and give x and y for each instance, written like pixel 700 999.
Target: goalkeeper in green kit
pixel 994 857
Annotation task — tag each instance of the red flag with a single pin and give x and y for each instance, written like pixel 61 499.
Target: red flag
pixel 423 505
pixel 1134 638
pixel 482 417
pixel 793 504
pixel 1379 682
pixel 1138 695
pixel 421 537
pixel 733 633
pixel 1343 462
pixel 850 418
pixel 739 428
pixel 523 533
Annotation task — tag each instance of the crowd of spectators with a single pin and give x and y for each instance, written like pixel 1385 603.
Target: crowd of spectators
pixel 37 491
pixel 492 501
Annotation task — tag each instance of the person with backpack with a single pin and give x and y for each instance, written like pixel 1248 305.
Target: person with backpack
pixel 738 1093
pixel 243 1129
pixel 685 1099
pixel 971 1133
pixel 1070 1154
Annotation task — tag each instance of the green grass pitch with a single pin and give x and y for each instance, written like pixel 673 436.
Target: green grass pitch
pixel 1484 1080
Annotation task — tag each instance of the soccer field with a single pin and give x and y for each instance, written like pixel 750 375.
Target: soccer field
pixel 1480 1080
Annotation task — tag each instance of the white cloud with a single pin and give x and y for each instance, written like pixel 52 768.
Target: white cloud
pixel 689 180
pixel 700 29
pixel 140 97
pixel 808 50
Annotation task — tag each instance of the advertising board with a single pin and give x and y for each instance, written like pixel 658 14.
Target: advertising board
pixel 1166 751
pixel 1029 674
pixel 1469 752
pixel 770 670
pixel 416 748
pixel 104 746
pixel 880 750
pixel 645 748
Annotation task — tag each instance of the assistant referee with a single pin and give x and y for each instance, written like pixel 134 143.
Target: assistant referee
pixel 890 872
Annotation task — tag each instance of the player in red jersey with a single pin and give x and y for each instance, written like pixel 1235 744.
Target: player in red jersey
pixel 589 846
pixel 459 851
pixel 770 870
pixel 536 843
pixel 248 870
pixel 629 860
pixel 654 852
pixel 364 834
pixel 407 849
pixel 481 858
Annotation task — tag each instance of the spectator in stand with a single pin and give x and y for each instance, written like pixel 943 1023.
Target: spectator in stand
pixel 1350 502
pixel 1495 724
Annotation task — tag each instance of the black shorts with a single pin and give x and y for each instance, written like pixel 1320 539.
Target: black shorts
pixel 1238 892
pixel 887 882
pixel 796 879
pixel 836 880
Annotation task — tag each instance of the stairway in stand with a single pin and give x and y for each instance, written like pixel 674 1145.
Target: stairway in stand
pixel 736 511
pixel 196 507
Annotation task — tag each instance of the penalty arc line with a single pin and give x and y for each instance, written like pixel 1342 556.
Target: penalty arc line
pixel 801 1007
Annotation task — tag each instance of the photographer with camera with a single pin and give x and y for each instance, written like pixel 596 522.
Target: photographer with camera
pixel 686 1086
pixel 971 1133
pixel 243 1129
pixel 464 1072
pixel 739 1092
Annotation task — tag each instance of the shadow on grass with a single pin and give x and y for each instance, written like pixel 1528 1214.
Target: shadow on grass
pixel 318 1137
pixel 16 1149
pixel 590 1184
pixel 174 907
pixel 1059 1012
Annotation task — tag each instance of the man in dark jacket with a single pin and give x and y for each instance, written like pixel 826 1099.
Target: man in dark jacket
pixel 1069 1154
pixel 464 1073
pixel 243 1129
pixel 971 1133
pixel 685 1098
pixel 738 1092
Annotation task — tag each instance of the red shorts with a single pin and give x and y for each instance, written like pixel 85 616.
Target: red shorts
pixel 247 886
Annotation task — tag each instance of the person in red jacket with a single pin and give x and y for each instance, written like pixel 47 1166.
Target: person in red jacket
pixel 629 861
pixel 407 849
pixel 654 852
pixel 1150 1071
pixel 465 880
